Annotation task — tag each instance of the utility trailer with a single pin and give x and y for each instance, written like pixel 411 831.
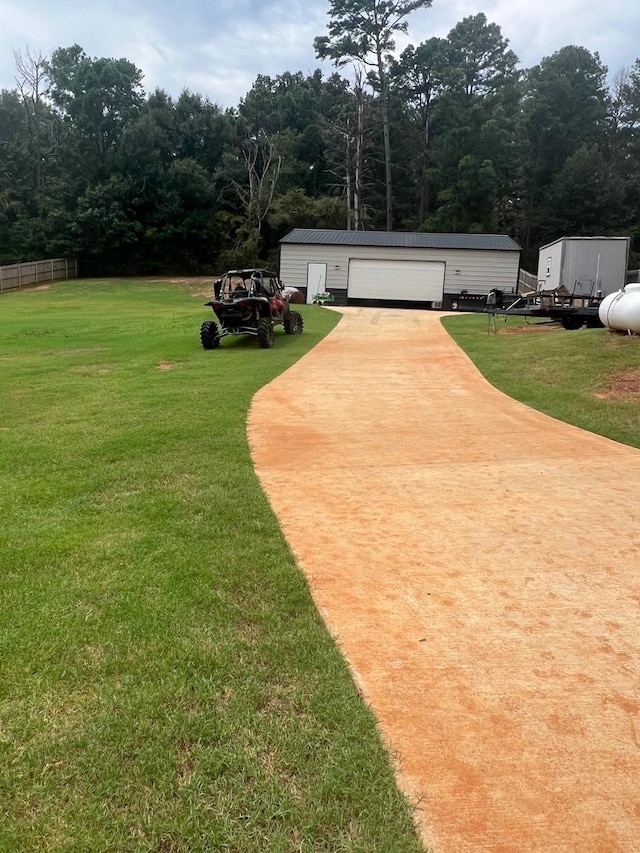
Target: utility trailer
pixel 572 310
pixel 574 276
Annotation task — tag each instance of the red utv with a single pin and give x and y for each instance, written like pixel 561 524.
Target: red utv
pixel 249 302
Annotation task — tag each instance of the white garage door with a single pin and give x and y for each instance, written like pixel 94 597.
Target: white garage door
pixel 410 281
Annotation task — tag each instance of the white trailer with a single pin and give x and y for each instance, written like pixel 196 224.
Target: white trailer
pixel 584 266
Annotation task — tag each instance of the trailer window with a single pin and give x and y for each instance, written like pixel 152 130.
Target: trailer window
pixel 548 267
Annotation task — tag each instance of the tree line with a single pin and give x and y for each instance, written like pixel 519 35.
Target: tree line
pixel 448 135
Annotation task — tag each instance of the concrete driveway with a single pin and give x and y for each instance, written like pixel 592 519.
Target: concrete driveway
pixel 479 566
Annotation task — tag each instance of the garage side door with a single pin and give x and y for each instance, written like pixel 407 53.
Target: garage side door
pixel 411 281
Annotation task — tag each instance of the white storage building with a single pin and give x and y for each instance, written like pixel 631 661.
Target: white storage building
pixel 393 267
pixel 584 265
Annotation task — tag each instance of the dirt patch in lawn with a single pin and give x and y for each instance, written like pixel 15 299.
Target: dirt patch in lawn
pixel 204 279
pixel 622 386
pixel 165 365
pixel 92 369
pixel 530 328
pixel 27 288
pixel 80 351
pixel 198 286
pixel 204 293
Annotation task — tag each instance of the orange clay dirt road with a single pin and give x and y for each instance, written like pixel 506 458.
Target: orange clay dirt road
pixel 479 566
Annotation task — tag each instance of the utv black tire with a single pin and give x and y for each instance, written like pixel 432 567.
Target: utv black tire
pixel 293 322
pixel 209 335
pixel 265 333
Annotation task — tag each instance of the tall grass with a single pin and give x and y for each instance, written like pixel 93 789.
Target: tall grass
pixel 165 681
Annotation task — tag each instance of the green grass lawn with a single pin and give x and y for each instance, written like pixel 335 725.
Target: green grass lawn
pixel 569 375
pixel 165 682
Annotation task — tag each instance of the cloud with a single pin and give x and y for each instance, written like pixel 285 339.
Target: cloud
pixel 218 48
pixel 223 60
pixel 535 30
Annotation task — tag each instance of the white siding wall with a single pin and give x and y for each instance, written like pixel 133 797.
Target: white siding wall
pixel 474 270
pixel 550 265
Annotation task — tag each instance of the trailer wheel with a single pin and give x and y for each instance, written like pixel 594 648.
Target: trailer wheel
pixel 572 323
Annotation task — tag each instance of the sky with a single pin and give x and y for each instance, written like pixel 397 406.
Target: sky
pixel 218 48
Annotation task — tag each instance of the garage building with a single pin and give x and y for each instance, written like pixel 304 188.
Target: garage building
pixel 399 268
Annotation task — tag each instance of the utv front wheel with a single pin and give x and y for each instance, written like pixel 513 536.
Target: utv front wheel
pixel 265 333
pixel 209 335
pixel 293 322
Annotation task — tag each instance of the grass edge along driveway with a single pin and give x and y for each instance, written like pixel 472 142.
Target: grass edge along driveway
pixel 589 378
pixel 166 683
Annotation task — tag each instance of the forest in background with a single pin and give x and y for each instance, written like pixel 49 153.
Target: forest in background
pixel 449 135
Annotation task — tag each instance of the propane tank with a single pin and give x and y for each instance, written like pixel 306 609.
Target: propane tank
pixel 621 310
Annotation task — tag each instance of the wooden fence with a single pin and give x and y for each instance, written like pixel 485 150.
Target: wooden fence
pixel 527 282
pixel 16 276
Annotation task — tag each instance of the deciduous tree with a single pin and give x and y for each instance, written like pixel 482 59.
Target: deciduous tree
pixel 364 30
pixel 97 98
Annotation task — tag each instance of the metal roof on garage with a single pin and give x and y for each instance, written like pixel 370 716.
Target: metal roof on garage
pixel 402 239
